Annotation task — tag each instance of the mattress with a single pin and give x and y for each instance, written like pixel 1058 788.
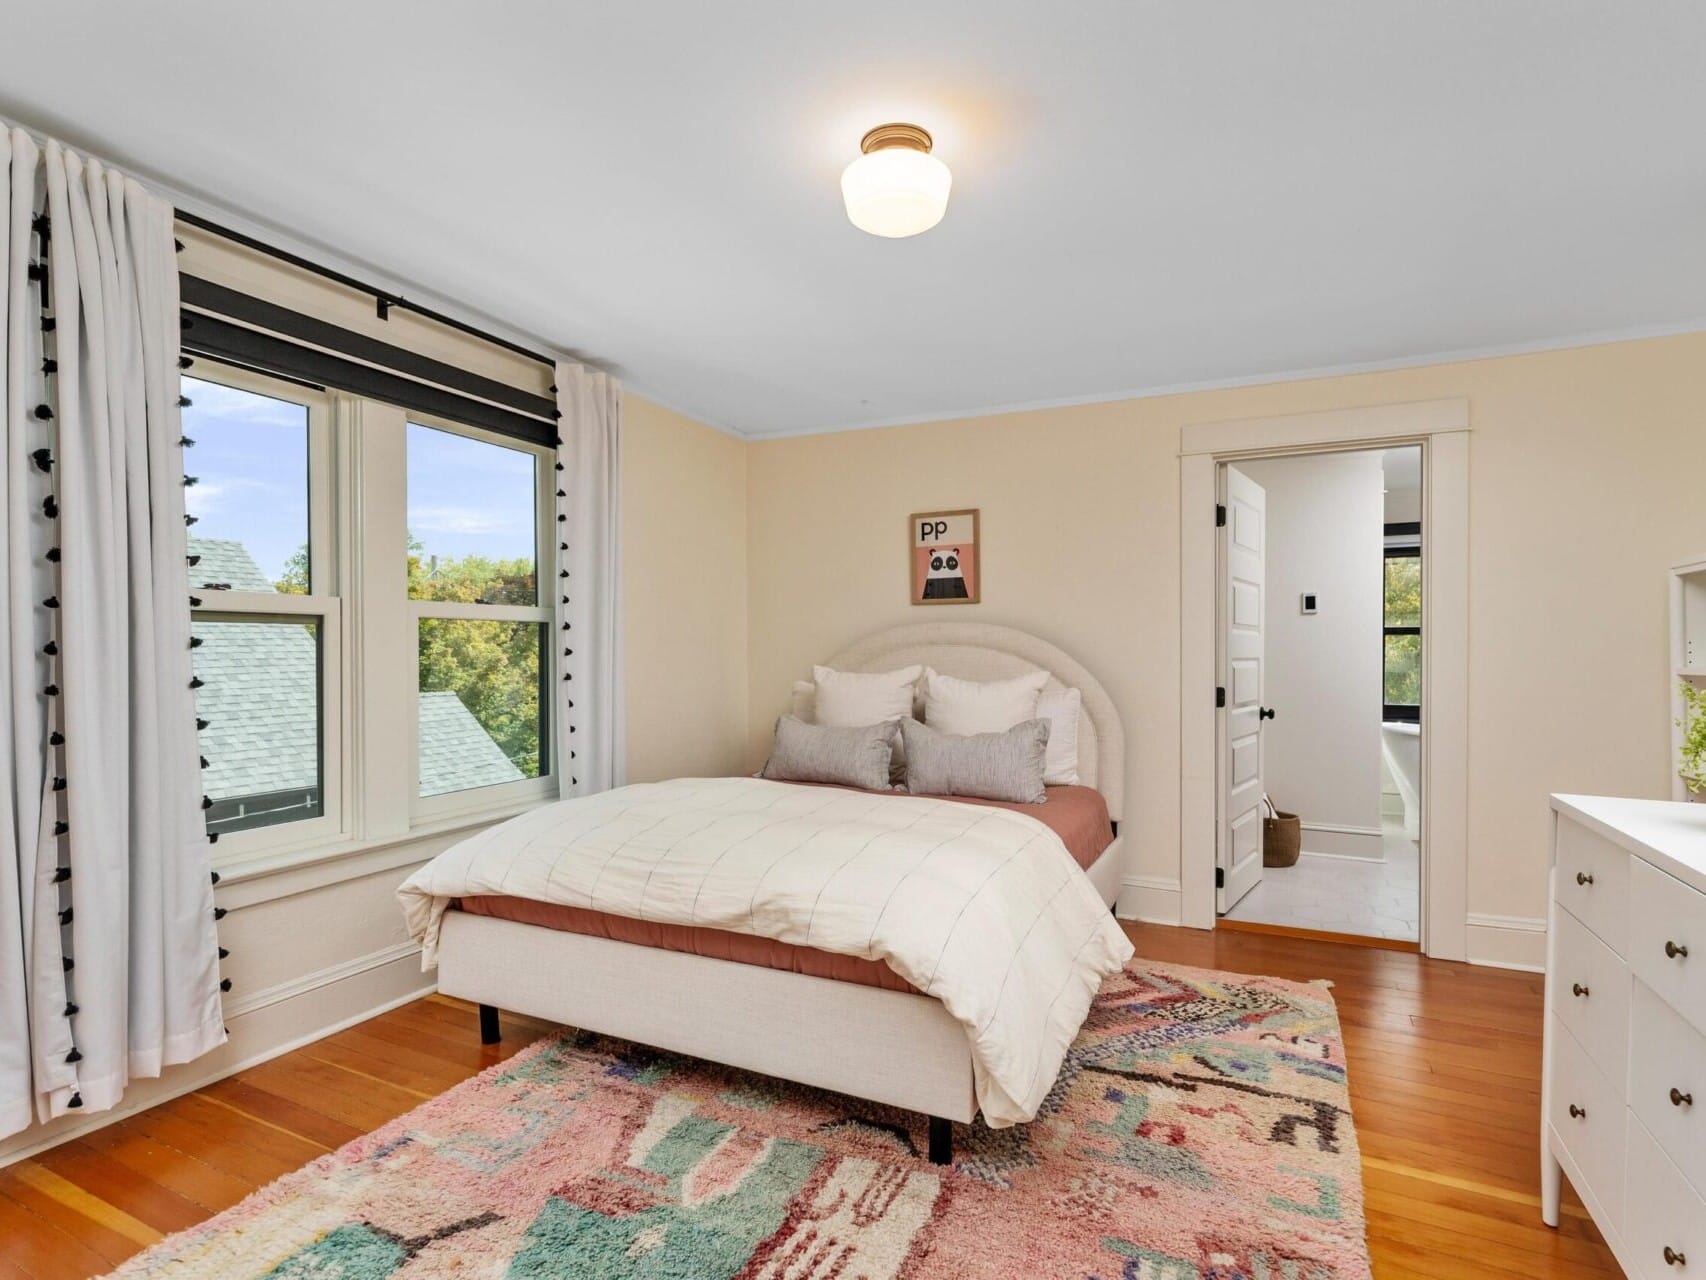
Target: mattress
pixel 1078 815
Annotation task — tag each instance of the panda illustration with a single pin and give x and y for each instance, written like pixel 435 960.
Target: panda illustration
pixel 944 581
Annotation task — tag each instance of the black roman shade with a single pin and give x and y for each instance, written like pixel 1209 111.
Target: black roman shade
pixel 240 328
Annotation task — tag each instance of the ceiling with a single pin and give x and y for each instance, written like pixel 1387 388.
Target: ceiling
pixel 1146 195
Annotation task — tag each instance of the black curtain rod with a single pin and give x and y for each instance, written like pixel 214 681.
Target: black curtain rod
pixel 386 300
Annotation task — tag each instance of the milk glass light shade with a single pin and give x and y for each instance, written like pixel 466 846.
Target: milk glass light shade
pixel 896 188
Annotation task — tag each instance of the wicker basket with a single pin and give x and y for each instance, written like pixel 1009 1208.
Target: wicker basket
pixel 1282 837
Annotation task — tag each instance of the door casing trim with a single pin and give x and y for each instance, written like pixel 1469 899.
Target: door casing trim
pixel 1442 428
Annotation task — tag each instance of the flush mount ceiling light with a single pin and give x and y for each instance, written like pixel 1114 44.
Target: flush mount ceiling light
pixel 896 188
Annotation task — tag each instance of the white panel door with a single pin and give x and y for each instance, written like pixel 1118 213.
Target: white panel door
pixel 1239 834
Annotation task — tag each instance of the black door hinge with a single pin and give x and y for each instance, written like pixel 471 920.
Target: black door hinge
pixel 1220 695
pixel 1220 877
pixel 1220 515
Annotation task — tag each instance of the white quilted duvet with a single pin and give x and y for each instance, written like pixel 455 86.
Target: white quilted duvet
pixel 983 909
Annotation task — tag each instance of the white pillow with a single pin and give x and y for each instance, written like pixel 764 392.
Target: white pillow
pixel 1060 708
pixel 965 707
pixel 858 698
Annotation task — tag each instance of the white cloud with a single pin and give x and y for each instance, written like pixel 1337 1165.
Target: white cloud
pixel 210 496
pixel 467 520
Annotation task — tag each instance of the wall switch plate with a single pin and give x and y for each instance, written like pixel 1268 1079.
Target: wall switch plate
pixel 1308 604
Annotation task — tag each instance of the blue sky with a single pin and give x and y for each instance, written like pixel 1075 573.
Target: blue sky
pixel 251 460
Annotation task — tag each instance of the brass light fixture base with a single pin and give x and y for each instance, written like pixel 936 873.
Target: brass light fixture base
pixel 885 136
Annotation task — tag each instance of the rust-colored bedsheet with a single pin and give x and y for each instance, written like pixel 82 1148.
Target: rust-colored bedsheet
pixel 1078 815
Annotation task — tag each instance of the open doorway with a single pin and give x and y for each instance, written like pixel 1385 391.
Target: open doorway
pixel 1319 650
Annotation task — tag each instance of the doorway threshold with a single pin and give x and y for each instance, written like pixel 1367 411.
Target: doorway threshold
pixel 1318 935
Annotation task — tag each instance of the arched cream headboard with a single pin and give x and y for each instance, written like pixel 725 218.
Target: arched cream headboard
pixel 981 651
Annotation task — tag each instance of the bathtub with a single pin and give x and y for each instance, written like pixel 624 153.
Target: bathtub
pixel 1401 745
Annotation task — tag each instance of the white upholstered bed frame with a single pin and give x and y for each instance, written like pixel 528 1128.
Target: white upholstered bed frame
pixel 886 1046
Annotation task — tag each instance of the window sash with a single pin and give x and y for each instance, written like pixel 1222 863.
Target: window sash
pixel 324 605
pixel 449 805
pixel 1401 711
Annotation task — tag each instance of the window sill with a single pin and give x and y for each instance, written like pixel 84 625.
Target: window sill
pixel 281 873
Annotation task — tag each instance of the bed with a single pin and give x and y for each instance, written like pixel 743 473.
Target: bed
pixel 820 1017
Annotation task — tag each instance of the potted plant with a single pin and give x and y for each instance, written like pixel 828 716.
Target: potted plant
pixel 1691 764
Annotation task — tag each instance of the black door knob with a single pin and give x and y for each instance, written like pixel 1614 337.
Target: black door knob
pixel 1578 1113
pixel 1578 988
pixel 1680 1099
pixel 1675 952
pixel 1675 1259
pixel 1584 877
pixel 1266 713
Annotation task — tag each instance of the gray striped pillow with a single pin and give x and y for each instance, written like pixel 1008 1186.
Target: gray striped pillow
pixel 853 757
pixel 988 766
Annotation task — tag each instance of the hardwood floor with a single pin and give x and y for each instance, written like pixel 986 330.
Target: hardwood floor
pixel 1445 1089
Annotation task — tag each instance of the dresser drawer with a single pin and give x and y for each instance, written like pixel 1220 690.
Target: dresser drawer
pixel 1590 994
pixel 1667 1084
pixel 1664 1213
pixel 1668 952
pixel 1588 1116
pixel 1591 881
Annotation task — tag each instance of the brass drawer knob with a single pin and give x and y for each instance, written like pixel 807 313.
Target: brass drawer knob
pixel 1675 1259
pixel 1578 988
pixel 1584 877
pixel 1578 1113
pixel 1675 951
pixel 1680 1099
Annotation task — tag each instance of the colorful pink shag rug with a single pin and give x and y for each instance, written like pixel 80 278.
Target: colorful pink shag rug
pixel 1201 1128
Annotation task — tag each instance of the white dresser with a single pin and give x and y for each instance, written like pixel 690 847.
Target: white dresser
pixel 1623 1095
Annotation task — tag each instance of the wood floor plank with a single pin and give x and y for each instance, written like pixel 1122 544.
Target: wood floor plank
pixel 183 1174
pixel 140 1198
pixel 84 1221
pixel 43 1251
pixel 1444 1078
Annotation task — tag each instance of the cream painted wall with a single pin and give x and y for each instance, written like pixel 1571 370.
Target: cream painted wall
pixel 684 500
pixel 1585 484
pixel 1322 671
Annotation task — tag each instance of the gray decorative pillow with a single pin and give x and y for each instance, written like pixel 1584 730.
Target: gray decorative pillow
pixel 989 766
pixel 852 757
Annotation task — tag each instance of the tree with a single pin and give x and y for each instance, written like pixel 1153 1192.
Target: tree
pixel 492 667
pixel 294 580
pixel 1403 609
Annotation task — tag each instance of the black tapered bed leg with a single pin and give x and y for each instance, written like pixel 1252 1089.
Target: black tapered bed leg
pixel 941 1140
pixel 489 1031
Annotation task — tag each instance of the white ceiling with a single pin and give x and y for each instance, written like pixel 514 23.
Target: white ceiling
pixel 1146 195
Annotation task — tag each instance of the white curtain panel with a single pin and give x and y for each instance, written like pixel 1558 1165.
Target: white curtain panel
pixel 592 743
pixel 108 956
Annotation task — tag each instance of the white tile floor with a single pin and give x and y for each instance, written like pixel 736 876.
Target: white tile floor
pixel 1344 895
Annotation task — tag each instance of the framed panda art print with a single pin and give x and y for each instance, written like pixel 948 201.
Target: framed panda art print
pixel 946 568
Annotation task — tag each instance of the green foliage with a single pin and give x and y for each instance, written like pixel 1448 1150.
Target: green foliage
pixel 1403 609
pixel 1403 591
pixel 1692 761
pixel 493 667
pixel 294 580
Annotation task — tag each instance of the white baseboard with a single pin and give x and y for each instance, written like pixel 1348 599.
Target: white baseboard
pixel 263 1026
pixel 1335 840
pixel 1152 899
pixel 1508 942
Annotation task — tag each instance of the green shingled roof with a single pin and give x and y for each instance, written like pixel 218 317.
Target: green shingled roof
pixel 258 697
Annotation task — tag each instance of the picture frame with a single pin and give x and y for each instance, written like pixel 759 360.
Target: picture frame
pixel 943 548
